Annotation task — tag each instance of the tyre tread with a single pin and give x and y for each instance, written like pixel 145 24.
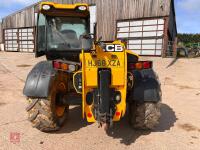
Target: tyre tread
pixel 40 115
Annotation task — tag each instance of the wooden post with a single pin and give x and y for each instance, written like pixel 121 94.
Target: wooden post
pixel 34 38
pixel 4 41
pixel 175 47
pixel 166 38
pixel 18 43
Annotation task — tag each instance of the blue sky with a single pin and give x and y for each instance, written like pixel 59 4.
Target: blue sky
pixel 10 6
pixel 188 16
pixel 187 12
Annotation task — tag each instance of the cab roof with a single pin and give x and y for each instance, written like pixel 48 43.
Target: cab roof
pixel 63 6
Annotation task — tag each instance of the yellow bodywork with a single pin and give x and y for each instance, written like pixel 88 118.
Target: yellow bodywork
pixel 115 61
pixel 63 6
pixel 119 72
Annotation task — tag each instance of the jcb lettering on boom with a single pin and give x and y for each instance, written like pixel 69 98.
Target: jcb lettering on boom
pixel 113 48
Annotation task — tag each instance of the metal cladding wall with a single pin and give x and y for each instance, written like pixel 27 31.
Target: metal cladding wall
pixel 108 12
pixel 24 18
pixel 126 9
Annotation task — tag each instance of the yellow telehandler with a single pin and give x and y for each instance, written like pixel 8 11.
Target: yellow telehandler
pixel 105 78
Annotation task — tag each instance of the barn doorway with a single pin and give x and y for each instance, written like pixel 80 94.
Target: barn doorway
pixel 145 36
pixel 19 40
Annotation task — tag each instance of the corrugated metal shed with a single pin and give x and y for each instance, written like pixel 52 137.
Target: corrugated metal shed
pixel 26 16
pixel 108 12
pixel 23 18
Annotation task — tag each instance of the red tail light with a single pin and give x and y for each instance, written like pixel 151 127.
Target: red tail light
pixel 147 65
pixel 56 65
pixel 89 115
pixel 140 65
pixel 117 113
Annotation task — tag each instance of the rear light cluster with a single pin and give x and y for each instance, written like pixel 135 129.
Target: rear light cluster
pixel 64 66
pixel 140 65
pixel 89 115
pixel 117 113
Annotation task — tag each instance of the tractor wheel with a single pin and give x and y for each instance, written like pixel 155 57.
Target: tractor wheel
pixel 144 116
pixel 197 54
pixel 48 114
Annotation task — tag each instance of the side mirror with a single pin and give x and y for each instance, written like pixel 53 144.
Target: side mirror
pixel 95 31
pixel 87 36
pixel 100 38
pixel 86 42
pixel 97 42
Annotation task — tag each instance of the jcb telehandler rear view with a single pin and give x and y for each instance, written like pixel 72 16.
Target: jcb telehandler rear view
pixel 105 78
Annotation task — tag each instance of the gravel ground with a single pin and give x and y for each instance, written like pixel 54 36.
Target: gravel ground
pixel 179 127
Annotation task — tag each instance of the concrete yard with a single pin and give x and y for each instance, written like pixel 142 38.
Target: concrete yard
pixel 179 127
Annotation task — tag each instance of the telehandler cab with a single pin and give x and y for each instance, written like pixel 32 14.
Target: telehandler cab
pixel 105 78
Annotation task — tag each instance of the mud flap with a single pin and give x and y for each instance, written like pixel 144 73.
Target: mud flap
pixel 39 80
pixel 146 87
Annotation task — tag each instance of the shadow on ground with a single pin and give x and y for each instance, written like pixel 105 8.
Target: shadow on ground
pixel 1 104
pixel 74 121
pixel 127 135
pixel 173 62
pixel 122 130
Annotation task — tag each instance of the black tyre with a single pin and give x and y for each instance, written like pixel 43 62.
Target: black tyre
pixel 194 53
pixel 182 53
pixel 47 114
pixel 197 54
pixel 144 116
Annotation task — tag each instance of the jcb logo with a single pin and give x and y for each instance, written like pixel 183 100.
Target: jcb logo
pixel 113 48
